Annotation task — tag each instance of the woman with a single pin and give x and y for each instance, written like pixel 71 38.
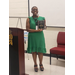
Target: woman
pixel 36 42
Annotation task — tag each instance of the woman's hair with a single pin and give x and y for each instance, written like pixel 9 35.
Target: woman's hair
pixel 34 7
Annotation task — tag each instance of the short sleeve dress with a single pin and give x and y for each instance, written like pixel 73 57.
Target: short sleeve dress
pixel 36 40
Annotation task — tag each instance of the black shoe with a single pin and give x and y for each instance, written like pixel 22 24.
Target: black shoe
pixel 35 69
pixel 41 69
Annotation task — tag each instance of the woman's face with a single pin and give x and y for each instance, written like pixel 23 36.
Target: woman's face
pixel 34 10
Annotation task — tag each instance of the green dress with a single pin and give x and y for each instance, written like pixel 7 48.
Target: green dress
pixel 36 40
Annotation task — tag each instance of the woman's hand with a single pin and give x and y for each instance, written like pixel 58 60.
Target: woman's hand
pixel 39 30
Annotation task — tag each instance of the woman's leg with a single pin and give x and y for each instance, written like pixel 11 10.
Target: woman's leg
pixel 40 55
pixel 34 54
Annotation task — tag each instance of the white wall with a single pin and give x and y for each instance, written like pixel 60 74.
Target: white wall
pixel 52 10
pixel 18 8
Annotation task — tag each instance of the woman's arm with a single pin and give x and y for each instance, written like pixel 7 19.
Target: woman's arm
pixel 28 27
pixel 45 25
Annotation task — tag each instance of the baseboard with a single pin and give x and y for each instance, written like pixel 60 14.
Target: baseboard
pixel 48 55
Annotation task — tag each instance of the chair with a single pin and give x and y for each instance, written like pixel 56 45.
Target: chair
pixel 60 49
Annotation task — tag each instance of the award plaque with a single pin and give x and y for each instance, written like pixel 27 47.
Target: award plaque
pixel 41 24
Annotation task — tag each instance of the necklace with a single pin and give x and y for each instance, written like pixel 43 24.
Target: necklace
pixel 36 19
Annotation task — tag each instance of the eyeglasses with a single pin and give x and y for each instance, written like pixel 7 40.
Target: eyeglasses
pixel 34 9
